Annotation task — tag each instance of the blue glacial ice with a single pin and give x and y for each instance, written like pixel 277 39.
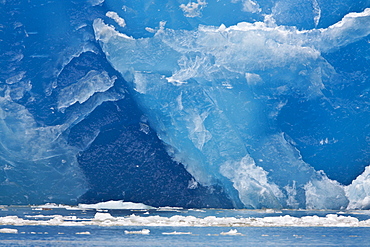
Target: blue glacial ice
pixel 230 103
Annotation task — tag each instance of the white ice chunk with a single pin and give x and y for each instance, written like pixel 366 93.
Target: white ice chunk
pixel 150 30
pixel 8 230
pixel 53 206
pixel 102 30
pixel 358 192
pixel 253 79
pixel 176 233
pixel 251 181
pixel 144 231
pixel 193 9
pixel 102 216
pixel 119 20
pixel 232 232
pixel 115 205
pixel 325 194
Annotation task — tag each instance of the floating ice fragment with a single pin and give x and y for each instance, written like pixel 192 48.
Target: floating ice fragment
pixel 176 233
pixel 233 232
pixel 169 208
pixel 83 233
pixel 144 231
pixel 8 230
pixel 102 216
pixel 49 206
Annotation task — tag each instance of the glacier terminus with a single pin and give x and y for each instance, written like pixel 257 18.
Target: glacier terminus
pixel 203 104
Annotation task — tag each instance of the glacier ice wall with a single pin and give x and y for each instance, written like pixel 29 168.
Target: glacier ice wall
pixel 229 103
pixel 70 131
pixel 215 96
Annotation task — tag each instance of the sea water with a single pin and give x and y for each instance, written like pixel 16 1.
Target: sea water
pixel 57 225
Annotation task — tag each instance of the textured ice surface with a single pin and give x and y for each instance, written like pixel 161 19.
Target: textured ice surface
pixel 230 103
pixel 70 131
pixel 214 95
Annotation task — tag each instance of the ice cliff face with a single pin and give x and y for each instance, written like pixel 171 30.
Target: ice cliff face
pixel 185 104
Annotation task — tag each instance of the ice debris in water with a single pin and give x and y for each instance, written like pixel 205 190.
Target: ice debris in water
pixel 106 219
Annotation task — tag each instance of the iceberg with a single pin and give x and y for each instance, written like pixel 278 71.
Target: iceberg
pixel 182 104
pixel 115 205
